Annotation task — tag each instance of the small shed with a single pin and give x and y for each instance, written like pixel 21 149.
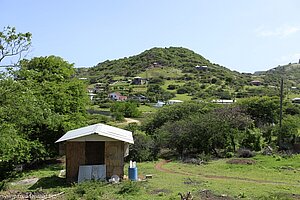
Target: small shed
pixel 256 82
pixel 97 144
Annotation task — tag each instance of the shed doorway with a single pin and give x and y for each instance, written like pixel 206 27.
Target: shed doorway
pixel 95 153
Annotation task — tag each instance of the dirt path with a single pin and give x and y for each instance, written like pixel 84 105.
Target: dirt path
pixel 159 167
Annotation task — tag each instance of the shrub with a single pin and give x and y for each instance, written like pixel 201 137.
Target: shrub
pixel 229 154
pixel 143 148
pixel 172 87
pixel 3 185
pixel 129 187
pixel 245 153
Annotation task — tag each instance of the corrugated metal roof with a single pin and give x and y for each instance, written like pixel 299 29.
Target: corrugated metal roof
pixel 100 129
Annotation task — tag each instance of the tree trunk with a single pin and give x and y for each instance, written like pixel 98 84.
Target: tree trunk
pixel 232 142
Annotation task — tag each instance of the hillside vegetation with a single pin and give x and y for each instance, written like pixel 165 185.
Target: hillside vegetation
pixel 290 73
pixel 173 58
pixel 163 66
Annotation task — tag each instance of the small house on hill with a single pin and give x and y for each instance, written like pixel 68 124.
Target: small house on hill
pixel 117 96
pixel 223 101
pixel 296 100
pixel 97 146
pixel 256 82
pixel 202 67
pixel 174 101
pixel 138 81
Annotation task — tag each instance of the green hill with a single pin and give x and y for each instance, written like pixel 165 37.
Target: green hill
pixel 180 72
pixel 290 73
pixel 175 61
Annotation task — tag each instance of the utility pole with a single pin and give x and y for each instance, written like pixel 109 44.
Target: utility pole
pixel 281 100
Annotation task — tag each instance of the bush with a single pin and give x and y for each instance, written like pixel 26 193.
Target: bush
pixel 143 148
pixel 229 154
pixel 124 109
pixel 245 153
pixel 204 157
pixel 253 140
pixel 15 150
pixel 87 190
pixel 129 187
pixel 172 87
pixel 3 185
pixel 104 105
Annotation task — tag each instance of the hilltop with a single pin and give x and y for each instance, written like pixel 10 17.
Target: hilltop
pixel 181 71
pixel 290 73
pixel 178 59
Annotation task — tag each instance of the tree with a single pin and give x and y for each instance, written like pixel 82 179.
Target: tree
pixel 44 100
pixel 13 43
pixel 263 110
pixel 155 93
pixel 45 69
pixel 233 120
pixel 174 112
pixel 287 134
pixel 124 109
pixel 220 129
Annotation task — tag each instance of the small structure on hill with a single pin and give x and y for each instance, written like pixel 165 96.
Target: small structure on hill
pixel 138 81
pixel 97 146
pixel 256 82
pixel 92 95
pixel 159 104
pixel 117 96
pixel 99 87
pixel 140 98
pixel 293 88
pixel 296 100
pixel 202 67
pixel 174 101
pixel 222 101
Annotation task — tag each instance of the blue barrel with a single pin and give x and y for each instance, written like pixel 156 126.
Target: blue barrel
pixel 133 173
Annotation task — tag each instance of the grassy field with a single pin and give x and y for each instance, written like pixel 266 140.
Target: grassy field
pixel 182 97
pixel 147 108
pixel 270 177
pixel 172 82
pixel 162 72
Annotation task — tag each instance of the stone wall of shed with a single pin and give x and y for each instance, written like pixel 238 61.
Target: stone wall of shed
pixel 114 158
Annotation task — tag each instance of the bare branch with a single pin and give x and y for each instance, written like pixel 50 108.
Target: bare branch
pixel 12 43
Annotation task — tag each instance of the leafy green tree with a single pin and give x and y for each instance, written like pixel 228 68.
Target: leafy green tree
pixel 43 104
pixel 49 68
pixel 15 150
pixel 222 128
pixel 143 148
pixel 287 134
pixel 125 109
pixel 175 112
pixel 263 110
pixel 13 43
pixel 155 93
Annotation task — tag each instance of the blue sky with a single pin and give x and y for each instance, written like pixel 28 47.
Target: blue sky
pixel 243 35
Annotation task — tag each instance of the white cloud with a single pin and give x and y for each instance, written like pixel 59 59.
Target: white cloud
pixel 293 58
pixel 282 31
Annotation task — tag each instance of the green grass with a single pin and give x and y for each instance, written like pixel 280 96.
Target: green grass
pixel 261 181
pixel 161 72
pixel 172 82
pixel 183 97
pixel 147 108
